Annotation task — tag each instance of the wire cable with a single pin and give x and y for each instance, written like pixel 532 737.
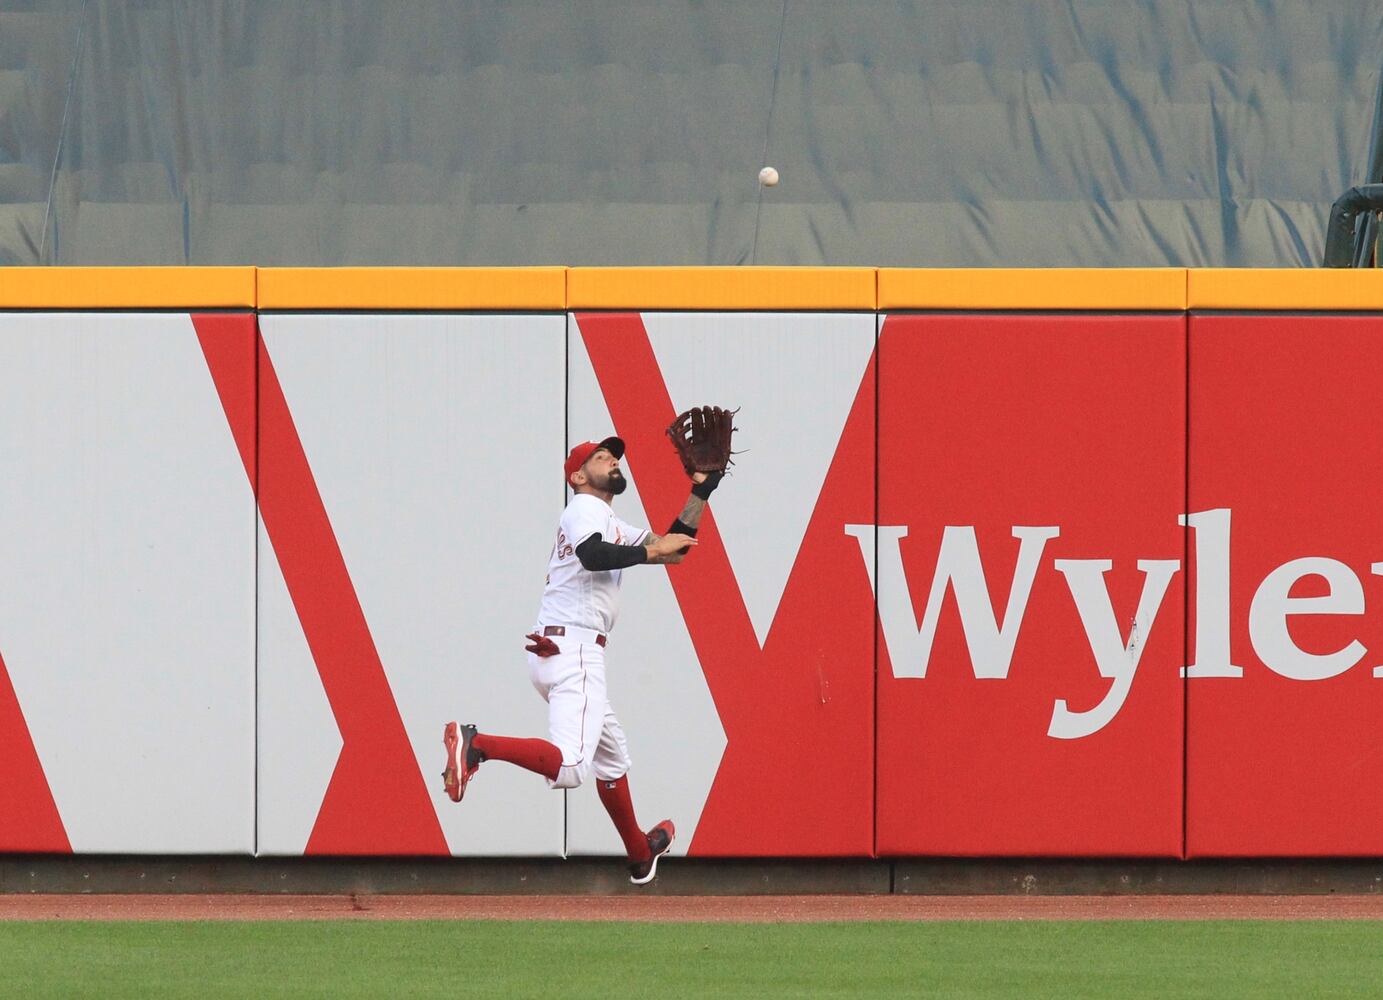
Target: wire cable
pixel 1367 231
pixel 62 129
pixel 768 128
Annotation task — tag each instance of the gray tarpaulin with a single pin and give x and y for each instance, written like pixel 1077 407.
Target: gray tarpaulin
pixel 1124 132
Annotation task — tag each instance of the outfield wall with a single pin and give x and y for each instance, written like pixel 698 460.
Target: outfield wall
pixel 1015 563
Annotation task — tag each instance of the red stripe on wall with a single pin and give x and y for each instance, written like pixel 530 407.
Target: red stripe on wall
pixel 797 774
pixel 705 585
pixel 228 342
pixel 29 819
pixel 376 801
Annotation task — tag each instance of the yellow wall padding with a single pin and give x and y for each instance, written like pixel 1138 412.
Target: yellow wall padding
pixel 127 287
pixel 553 289
pixel 763 288
pixel 1160 288
pixel 1285 288
pixel 500 288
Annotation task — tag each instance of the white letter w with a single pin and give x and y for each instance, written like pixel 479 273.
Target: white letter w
pixel 957 566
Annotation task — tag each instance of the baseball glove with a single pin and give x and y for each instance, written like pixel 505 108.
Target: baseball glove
pixel 701 436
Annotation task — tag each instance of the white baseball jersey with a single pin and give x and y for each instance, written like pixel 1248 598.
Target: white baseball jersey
pixel 574 595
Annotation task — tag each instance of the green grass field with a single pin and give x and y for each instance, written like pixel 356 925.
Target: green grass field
pixel 487 960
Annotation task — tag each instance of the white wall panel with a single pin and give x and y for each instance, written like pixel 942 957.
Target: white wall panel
pixel 436 442
pixel 127 580
pixel 652 672
pixel 795 377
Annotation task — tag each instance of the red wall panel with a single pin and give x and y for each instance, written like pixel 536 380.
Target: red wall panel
pixel 1285 758
pixel 994 426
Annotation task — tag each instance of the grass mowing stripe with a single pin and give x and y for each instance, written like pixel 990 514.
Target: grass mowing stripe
pixel 572 960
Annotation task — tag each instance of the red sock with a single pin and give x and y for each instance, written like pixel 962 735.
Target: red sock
pixel 539 756
pixel 615 797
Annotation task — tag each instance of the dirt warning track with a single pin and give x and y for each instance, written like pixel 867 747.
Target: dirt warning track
pixel 671 909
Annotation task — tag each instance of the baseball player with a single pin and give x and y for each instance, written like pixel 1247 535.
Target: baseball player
pixel 566 654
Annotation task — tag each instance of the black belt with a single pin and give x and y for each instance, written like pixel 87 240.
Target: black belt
pixel 562 630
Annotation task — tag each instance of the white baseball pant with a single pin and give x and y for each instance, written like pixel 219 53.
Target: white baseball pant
pixel 580 721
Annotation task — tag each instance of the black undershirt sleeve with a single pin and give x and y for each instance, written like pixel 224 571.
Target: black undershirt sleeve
pixel 596 554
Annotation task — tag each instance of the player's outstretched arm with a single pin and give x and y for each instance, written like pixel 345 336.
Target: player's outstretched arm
pixel 689 520
pixel 682 534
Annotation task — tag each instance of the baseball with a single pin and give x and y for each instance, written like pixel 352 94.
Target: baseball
pixel 768 177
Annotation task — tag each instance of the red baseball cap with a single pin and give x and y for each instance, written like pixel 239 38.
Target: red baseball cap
pixel 583 451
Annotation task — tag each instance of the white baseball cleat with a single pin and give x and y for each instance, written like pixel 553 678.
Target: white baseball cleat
pixel 659 840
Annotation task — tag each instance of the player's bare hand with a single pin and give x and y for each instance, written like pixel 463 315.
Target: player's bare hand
pixel 669 549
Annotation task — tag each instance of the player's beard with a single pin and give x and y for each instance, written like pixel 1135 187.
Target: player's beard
pixel 615 483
